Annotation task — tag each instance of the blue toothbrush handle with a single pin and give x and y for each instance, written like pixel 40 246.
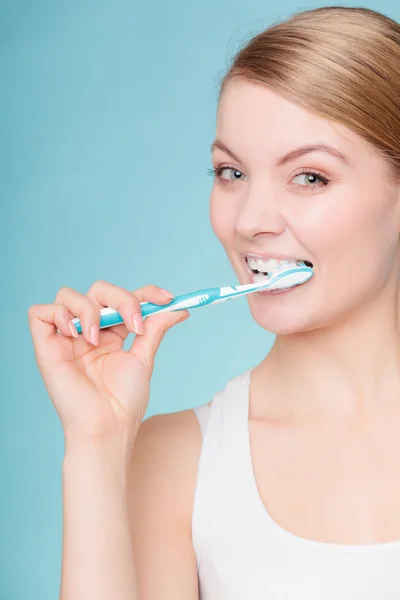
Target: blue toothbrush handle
pixel 183 302
pixel 280 280
pixel 110 317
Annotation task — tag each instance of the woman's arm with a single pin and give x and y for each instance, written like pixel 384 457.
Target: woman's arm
pixel 161 491
pixel 127 526
pixel 97 546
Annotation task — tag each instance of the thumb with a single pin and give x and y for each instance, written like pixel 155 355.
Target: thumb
pixel 146 346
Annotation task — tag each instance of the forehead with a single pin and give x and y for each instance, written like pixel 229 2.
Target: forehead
pixel 263 121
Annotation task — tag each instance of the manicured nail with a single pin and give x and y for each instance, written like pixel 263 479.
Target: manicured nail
pixel 138 323
pixel 94 335
pixel 167 294
pixel 72 329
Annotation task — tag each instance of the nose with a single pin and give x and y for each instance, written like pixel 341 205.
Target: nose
pixel 259 214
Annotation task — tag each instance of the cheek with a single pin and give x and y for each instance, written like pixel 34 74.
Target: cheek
pixel 222 217
pixel 354 240
pixel 347 223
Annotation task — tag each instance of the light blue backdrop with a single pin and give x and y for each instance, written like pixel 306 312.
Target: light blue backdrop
pixel 107 116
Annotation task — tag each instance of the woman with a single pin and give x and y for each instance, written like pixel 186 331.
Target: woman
pixel 287 484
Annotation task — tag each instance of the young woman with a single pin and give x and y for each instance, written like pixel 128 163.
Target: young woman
pixel 286 484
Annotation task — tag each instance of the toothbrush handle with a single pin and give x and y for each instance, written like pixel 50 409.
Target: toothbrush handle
pixel 110 316
pixel 182 302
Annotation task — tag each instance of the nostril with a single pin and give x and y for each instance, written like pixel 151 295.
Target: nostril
pixel 308 264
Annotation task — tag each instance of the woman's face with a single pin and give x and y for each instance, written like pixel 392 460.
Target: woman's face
pixel 343 216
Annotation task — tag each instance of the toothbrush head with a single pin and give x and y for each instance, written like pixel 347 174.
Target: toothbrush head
pixel 287 278
pixel 281 280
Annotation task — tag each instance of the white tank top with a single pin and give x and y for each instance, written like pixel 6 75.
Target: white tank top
pixel 242 553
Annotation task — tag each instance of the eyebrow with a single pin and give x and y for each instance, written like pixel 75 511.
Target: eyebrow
pixel 217 144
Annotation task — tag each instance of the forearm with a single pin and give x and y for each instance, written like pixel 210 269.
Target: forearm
pixel 97 549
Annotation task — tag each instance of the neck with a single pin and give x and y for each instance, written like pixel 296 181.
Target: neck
pixel 350 369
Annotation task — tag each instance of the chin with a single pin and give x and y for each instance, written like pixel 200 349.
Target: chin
pixel 282 320
pixel 283 328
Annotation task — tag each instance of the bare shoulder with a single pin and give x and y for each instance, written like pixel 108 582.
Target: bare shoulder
pixel 166 454
pixel 161 493
pixel 176 427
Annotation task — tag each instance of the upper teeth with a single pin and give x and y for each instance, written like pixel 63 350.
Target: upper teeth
pixel 270 265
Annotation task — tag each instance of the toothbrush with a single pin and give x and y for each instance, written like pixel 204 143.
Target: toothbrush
pixel 282 279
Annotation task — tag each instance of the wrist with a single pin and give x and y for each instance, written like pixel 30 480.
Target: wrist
pixel 98 454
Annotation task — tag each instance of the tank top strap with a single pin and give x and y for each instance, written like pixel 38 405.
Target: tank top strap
pixel 235 411
pixel 235 466
pixel 224 426
pixel 203 414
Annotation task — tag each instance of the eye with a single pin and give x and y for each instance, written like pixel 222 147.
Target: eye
pixel 225 174
pixel 310 177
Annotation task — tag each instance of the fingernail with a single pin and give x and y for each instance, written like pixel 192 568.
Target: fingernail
pixel 94 335
pixel 72 329
pixel 167 294
pixel 138 323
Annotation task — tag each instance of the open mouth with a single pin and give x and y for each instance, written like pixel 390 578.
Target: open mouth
pixel 260 268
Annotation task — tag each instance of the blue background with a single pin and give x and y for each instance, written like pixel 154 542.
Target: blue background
pixel 107 116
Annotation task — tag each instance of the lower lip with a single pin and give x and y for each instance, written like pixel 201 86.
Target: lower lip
pixel 276 292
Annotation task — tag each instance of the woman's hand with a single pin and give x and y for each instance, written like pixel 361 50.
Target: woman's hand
pixel 99 389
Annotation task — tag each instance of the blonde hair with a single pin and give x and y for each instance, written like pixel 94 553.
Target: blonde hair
pixel 341 63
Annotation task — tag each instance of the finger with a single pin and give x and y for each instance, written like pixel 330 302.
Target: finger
pixel 128 303
pixel 45 319
pixel 145 347
pixel 152 293
pixel 86 309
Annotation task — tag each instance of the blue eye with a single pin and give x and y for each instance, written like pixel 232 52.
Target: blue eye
pixel 313 175
pixel 217 174
pixel 236 175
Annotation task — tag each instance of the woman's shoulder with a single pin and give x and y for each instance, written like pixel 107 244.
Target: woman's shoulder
pixel 168 446
pixel 162 486
pixel 173 431
pixel 165 459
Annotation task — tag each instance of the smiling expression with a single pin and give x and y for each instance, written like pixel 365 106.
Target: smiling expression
pixel 290 184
